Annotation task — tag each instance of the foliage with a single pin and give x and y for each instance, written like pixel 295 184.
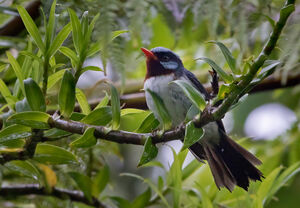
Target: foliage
pixel 42 79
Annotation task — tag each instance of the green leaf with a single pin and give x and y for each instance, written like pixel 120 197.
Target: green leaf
pixel 54 78
pixel 193 94
pixel 50 154
pixel 34 95
pixel 266 71
pixel 205 200
pixel 50 29
pixel 11 100
pixel 3 67
pixel 24 168
pixel 14 132
pixel 192 135
pixel 103 102
pixel 228 56
pixel 120 202
pixel 223 91
pixel 69 53
pixel 190 169
pixel 226 77
pixel 56 133
pixel 142 200
pixel 162 110
pixel 59 39
pixel 66 96
pixel 94 48
pixel 76 30
pixel 101 116
pixel 84 183
pixel 150 152
pixel 100 181
pixel 149 124
pixel 115 107
pixel 83 103
pixel 92 68
pixel 17 69
pixel 31 28
pixel 86 140
pixel 34 119
pixel 117 33
pixel 31 55
pixel 265 187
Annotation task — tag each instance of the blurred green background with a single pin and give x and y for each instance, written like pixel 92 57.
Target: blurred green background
pixel 267 123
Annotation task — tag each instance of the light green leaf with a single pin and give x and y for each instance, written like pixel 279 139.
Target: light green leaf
pixel 100 181
pixel 150 152
pixel 84 183
pixel 14 132
pixel 11 100
pixel 83 103
pixel 54 78
pixel 76 30
pixel 34 119
pixel 31 55
pixel 149 124
pixel 3 67
pixel 50 29
pixel 205 200
pixel 226 77
pixel 228 56
pixel 115 107
pixel 103 102
pixel 34 95
pixel 92 68
pixel 31 28
pixel 17 69
pixel 192 135
pixel 24 168
pixel 223 91
pixel 86 140
pixel 56 133
pixel 117 33
pixel 69 53
pixel 101 116
pixel 50 154
pixel 193 94
pixel 162 110
pixel 66 96
pixel 59 39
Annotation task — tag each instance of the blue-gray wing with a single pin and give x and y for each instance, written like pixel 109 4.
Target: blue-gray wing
pixel 196 83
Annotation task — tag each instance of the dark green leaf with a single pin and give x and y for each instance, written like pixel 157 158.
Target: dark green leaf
pixel 76 30
pixel 34 95
pixel 56 133
pixel 226 77
pixel 100 181
pixel 31 28
pixel 149 124
pixel 192 135
pixel 228 56
pixel 120 202
pixel 115 107
pixel 86 140
pixel 84 183
pixel 193 94
pixel 14 132
pixel 66 96
pixel 150 152
pixel 162 110
pixel 50 29
pixel 50 154
pixel 34 119
pixel 101 116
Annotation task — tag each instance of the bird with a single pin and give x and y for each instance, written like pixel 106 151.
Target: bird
pixel 230 164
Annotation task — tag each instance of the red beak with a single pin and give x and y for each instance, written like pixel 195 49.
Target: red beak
pixel 148 53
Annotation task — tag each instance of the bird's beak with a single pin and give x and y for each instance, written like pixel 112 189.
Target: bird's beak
pixel 148 53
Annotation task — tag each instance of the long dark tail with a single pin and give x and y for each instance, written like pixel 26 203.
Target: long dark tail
pixel 229 163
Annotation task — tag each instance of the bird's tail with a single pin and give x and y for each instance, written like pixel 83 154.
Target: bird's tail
pixel 229 163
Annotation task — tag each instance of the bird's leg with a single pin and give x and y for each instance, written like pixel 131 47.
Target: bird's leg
pixel 214 83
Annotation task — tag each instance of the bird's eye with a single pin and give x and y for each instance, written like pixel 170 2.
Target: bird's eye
pixel 165 58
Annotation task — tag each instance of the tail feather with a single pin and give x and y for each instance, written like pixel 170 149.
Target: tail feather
pixel 230 163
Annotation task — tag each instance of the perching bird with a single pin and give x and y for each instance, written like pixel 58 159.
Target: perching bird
pixel 229 163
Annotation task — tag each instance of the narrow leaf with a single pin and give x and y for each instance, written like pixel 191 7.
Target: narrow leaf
pixel 50 29
pixel 193 94
pixel 10 100
pixel 66 96
pixel 83 103
pixel 17 69
pixel 76 30
pixel 34 95
pixel 192 135
pixel 161 109
pixel 86 140
pixel 115 107
pixel 226 77
pixel 150 152
pixel 69 53
pixel 54 78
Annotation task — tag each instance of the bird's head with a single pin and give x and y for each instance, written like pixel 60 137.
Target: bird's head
pixel 161 61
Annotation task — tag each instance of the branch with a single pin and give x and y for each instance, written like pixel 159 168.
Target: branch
pixel 35 189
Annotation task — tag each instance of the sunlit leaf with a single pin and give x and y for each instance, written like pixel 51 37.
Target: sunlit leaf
pixel 69 53
pixel 17 69
pixel 101 116
pixel 54 78
pixel 192 135
pixel 149 124
pixel 86 140
pixel 83 103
